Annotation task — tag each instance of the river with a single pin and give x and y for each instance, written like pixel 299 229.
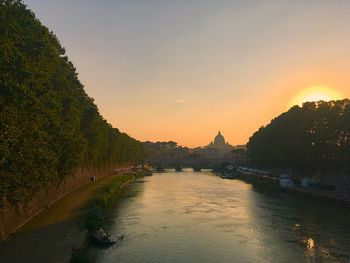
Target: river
pixel 199 217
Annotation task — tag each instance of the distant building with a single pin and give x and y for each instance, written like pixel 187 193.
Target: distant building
pixel 218 148
pixel 219 144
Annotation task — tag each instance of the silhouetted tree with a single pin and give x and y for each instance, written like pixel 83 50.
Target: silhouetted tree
pixel 314 137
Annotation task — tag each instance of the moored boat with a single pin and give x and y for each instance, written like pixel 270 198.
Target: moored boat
pixel 102 238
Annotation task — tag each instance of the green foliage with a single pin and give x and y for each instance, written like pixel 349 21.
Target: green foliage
pixel 105 195
pixel 49 127
pixel 314 137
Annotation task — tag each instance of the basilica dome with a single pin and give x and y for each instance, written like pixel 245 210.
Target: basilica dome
pixel 219 139
pixel 219 146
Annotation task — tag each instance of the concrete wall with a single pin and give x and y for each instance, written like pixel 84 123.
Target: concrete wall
pixel 11 219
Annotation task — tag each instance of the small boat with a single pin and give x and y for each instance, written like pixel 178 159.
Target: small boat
pixel 102 238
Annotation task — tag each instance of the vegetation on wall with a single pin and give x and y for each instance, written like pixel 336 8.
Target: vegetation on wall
pixel 311 138
pixel 49 126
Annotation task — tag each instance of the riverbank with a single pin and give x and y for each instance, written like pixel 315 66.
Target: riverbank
pixel 51 235
pixel 105 195
pixel 273 182
pixel 94 216
pixel 318 194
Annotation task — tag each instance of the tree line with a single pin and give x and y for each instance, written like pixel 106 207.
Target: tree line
pixel 160 150
pixel 311 138
pixel 49 126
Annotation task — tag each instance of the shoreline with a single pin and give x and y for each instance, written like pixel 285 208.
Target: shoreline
pixel 101 200
pixel 98 209
pixel 51 235
pixel 270 182
pixel 317 194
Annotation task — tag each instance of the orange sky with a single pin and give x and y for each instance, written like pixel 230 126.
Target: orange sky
pixel 182 70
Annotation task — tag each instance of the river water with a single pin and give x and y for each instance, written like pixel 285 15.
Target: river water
pixel 199 217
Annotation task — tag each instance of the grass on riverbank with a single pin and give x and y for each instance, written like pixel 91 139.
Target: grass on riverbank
pixel 94 215
pixel 103 197
pixel 71 207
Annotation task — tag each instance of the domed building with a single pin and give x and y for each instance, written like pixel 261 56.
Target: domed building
pixel 220 144
pixel 217 149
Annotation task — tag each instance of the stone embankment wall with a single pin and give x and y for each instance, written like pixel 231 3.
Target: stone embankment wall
pixel 12 219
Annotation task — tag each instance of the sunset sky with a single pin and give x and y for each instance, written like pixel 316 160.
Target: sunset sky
pixel 182 70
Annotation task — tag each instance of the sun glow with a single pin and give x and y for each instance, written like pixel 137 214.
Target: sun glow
pixel 315 93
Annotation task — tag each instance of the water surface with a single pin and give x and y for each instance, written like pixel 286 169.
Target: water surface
pixel 199 217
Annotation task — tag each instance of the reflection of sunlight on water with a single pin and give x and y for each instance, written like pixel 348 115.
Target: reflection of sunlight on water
pixel 310 248
pixel 310 244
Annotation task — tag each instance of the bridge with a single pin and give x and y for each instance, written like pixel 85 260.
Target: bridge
pixel 195 163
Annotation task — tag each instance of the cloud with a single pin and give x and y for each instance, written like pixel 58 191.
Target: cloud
pixel 180 100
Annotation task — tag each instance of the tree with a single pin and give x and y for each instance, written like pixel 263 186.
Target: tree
pixel 314 137
pixel 49 126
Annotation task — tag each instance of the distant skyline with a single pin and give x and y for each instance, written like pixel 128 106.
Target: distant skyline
pixel 182 70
